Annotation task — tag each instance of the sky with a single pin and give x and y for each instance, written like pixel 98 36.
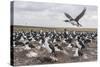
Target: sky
pixel 44 14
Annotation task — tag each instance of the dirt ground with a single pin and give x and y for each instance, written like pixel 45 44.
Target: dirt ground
pixel 20 58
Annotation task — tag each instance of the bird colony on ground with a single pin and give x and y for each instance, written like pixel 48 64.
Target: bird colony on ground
pixel 53 47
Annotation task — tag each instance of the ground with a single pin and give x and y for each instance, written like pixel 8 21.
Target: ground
pixel 20 56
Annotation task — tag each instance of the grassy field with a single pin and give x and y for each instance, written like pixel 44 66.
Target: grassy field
pixel 29 28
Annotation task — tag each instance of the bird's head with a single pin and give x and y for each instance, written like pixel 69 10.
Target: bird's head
pixel 66 20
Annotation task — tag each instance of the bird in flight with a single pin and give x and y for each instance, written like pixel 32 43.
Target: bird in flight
pixel 76 20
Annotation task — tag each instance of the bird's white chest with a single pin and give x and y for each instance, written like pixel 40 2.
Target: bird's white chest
pixel 76 52
pixel 22 39
pixel 73 22
pixel 46 44
pixel 64 41
pixel 33 39
pixel 40 42
pixel 54 40
pixel 78 45
pixel 56 49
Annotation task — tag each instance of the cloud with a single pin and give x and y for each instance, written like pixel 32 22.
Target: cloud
pixel 52 14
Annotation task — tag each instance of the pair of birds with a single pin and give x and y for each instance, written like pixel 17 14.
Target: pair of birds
pixel 75 21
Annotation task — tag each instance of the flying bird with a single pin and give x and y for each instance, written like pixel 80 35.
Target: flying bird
pixel 76 20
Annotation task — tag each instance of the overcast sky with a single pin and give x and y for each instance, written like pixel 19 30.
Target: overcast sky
pixel 52 14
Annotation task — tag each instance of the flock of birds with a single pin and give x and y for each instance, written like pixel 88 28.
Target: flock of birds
pixel 53 41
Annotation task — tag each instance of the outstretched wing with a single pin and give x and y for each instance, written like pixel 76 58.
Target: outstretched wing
pixel 68 16
pixel 80 15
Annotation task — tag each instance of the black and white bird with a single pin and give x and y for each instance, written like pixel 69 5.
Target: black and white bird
pixel 76 20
